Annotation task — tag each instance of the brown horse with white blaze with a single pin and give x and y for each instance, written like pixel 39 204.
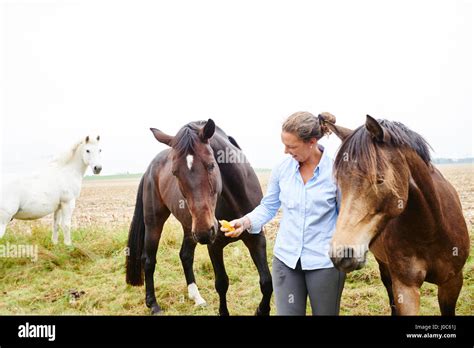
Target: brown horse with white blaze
pixel 397 204
pixel 195 183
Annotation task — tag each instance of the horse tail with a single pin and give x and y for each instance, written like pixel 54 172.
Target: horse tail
pixel 136 237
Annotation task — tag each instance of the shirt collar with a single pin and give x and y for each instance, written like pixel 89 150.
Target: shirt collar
pixel 296 164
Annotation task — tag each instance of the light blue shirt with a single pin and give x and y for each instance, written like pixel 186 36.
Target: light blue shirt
pixel 309 213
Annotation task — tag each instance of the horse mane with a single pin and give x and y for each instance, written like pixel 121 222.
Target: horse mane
pixel 68 155
pixel 188 136
pixel 186 139
pixel 360 154
pixel 234 142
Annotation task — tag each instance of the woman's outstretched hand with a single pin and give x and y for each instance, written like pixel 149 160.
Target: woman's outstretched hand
pixel 235 227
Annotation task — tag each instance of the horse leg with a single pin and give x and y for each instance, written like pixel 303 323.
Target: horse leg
pixel 66 216
pixel 56 222
pixel 3 228
pixel 152 240
pixel 5 218
pixel 406 297
pixel 387 282
pixel 448 294
pixel 186 255
pixel 3 225
pixel 257 246
pixel 222 280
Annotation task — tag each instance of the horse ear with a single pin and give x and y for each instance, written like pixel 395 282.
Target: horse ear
pixel 341 132
pixel 375 129
pixel 162 137
pixel 208 130
pixel 87 139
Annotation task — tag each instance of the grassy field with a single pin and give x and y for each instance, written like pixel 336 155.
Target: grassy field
pixel 89 278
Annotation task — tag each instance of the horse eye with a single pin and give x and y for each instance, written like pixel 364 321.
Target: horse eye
pixel 87 151
pixel 100 150
pixel 175 172
pixel 380 180
pixel 210 166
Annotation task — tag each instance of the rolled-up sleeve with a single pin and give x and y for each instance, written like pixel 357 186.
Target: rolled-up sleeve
pixel 268 206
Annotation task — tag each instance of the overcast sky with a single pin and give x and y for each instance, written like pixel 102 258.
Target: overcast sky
pixel 117 68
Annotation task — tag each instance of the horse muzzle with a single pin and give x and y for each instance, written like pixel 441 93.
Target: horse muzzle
pixel 347 264
pixel 205 237
pixel 345 259
pixel 97 169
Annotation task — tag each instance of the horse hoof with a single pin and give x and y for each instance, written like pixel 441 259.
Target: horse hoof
pixel 156 310
pixel 201 304
pixel 261 313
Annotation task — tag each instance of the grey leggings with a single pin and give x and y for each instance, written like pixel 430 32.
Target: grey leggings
pixel 292 287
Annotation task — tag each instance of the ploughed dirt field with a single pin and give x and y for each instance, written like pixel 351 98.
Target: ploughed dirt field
pixel 111 202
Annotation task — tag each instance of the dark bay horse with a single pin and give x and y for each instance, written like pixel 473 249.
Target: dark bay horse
pixel 203 177
pixel 397 204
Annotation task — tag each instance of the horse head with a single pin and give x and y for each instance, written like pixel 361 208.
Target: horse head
pixel 373 177
pixel 91 153
pixel 198 175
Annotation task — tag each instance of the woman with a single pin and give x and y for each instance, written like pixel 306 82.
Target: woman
pixel 303 185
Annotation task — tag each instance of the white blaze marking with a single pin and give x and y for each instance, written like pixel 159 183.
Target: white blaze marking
pixel 193 293
pixel 189 160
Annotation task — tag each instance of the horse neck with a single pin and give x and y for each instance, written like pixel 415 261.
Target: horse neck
pixel 240 191
pixel 76 164
pixel 420 172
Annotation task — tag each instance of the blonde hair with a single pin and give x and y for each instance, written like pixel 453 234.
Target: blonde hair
pixel 306 126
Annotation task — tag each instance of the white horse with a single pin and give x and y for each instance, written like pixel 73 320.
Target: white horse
pixel 52 189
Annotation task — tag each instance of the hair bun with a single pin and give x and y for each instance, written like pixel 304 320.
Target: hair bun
pixel 326 116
